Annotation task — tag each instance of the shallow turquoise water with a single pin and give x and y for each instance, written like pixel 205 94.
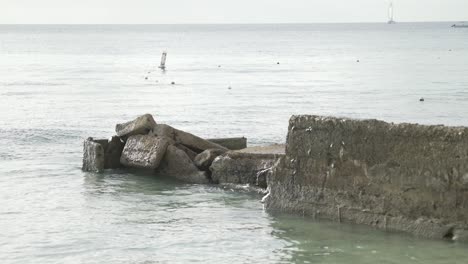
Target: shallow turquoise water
pixel 61 84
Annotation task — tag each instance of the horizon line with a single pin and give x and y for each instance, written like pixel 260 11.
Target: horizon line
pixel 240 23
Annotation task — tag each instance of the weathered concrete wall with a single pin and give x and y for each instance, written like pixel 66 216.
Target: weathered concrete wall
pixel 404 177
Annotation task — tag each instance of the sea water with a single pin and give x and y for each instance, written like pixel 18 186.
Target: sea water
pixel 60 84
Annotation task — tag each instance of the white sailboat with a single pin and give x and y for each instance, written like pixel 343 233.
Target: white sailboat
pixel 390 14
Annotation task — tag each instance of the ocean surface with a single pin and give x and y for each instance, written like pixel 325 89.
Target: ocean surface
pixel 61 84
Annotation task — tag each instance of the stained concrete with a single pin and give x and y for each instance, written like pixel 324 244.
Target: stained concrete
pixel 139 126
pixel 113 151
pixel 176 163
pixel 193 142
pixel 93 156
pixel 100 154
pixel 236 143
pixel 144 151
pixel 404 177
pixel 204 160
pixel 244 166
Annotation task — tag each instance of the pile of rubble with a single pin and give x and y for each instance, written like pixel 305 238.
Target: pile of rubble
pixel 144 144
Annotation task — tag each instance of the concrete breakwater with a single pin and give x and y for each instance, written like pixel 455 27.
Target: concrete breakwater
pixel 144 144
pixel 403 177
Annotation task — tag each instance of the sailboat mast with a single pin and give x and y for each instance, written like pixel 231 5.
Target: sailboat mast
pixel 390 12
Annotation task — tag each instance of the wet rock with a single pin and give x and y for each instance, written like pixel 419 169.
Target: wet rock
pixel 263 177
pixel 203 160
pixel 140 126
pixel 231 143
pixel 460 235
pixel 176 163
pixel 93 156
pixel 238 169
pixel 192 154
pixel 112 153
pixel 191 141
pixel 144 151
pixel 243 167
pixel 100 154
pixel 164 130
pixel 195 143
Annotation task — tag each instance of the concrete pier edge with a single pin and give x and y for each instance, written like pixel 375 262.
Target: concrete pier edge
pixel 403 177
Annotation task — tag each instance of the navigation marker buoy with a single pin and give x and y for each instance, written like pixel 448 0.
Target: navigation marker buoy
pixel 163 61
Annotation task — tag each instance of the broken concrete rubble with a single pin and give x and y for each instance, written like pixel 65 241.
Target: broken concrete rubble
pixel 144 144
pixel 192 154
pixel 189 140
pixel 203 160
pixel 112 153
pixel 177 164
pixel 100 154
pixel 144 151
pixel 140 126
pixel 93 156
pixel 242 166
pixel 231 143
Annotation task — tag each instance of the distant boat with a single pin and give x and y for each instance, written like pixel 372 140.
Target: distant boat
pixel 390 14
pixel 461 25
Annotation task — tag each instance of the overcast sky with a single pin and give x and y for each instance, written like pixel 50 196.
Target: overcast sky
pixel 226 11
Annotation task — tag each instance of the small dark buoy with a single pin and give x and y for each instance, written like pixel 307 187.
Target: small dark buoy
pixel 146 78
pixel 278 62
pixel 219 66
pixel 421 99
pixel 172 83
pixel 357 61
pixel 229 87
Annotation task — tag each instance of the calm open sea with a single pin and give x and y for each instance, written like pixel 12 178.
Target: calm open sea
pixel 61 84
